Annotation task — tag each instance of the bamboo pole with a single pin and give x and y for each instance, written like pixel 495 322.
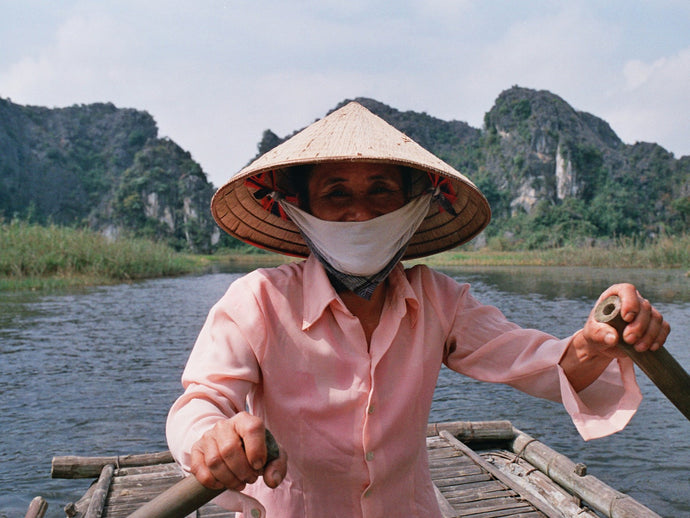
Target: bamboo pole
pixel 467 431
pixel 72 466
pixel 664 371
pixel 598 495
pixel 97 503
pixel 37 508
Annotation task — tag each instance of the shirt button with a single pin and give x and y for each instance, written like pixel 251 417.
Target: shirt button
pixel 370 455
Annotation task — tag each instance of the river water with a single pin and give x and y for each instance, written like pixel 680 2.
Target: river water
pixel 94 371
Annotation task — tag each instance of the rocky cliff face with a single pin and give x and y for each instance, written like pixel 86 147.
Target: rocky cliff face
pixel 164 193
pixel 102 166
pixel 534 145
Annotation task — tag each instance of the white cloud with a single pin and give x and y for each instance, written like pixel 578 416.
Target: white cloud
pixel 637 72
pixel 653 106
pixel 86 62
pixel 567 52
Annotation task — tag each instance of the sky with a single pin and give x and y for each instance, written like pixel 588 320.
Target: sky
pixel 215 74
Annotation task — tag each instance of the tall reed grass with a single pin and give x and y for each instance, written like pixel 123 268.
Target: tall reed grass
pixel 34 256
pixel 665 252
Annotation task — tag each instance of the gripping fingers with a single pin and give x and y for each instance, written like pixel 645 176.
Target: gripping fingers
pixel 275 470
pixel 202 472
pixel 639 325
pixel 655 334
pixel 251 432
pixel 646 329
pixel 234 452
pixel 230 466
pixel 218 460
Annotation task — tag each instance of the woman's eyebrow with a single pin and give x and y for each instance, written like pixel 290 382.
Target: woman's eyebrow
pixel 334 179
pixel 331 180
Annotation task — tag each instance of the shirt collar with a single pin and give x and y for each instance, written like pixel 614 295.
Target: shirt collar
pixel 401 292
pixel 319 292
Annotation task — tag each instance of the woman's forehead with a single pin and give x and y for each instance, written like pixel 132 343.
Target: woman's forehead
pixel 336 171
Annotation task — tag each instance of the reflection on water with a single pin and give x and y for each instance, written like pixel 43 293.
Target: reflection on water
pixel 93 372
pixel 578 282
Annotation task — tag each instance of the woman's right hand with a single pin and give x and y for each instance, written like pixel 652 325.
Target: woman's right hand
pixel 233 454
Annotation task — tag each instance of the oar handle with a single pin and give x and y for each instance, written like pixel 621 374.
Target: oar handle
pixel 189 494
pixel 662 368
pixel 180 500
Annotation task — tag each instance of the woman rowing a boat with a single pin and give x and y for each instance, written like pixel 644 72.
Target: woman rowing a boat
pixel 338 355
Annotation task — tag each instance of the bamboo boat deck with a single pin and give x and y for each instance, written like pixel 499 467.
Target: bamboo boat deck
pixel 480 470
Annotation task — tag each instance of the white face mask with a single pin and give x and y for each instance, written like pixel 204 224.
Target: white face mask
pixel 361 248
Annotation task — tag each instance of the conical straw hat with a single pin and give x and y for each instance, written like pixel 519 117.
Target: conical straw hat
pixel 351 133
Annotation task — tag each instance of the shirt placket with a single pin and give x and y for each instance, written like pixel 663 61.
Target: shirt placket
pixel 381 342
pixel 356 338
pixel 370 455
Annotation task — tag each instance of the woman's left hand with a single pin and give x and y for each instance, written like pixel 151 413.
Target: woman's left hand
pixel 593 347
pixel 646 330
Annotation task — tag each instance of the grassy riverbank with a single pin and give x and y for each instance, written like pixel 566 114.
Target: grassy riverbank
pixel 37 257
pixel 42 257
pixel 666 252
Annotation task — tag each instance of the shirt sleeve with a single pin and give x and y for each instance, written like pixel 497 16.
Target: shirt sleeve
pixel 221 371
pixel 484 345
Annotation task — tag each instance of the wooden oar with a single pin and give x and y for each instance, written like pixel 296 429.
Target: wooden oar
pixel 188 495
pixel 179 501
pixel 659 365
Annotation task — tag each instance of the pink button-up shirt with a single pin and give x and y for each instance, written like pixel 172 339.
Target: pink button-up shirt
pixel 351 416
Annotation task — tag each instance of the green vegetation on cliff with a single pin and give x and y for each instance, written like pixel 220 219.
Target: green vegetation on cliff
pixel 176 189
pixel 103 167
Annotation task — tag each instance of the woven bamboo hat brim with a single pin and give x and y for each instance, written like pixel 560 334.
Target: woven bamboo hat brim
pixel 351 133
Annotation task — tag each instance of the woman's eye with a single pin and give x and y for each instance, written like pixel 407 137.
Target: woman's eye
pixel 383 189
pixel 337 193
